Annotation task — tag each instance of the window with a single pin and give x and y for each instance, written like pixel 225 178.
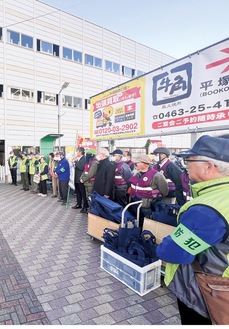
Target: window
pixel 77 56
pixel 71 101
pixel 20 94
pixel 88 60
pixel 87 103
pixel 26 41
pixel 67 53
pixel 128 72
pixel 139 73
pixel 47 47
pixel 112 67
pixel 47 98
pixel 13 37
pixel 93 61
pixel 1 90
pixel 0 33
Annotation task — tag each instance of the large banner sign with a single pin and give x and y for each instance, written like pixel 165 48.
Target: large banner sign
pixel 187 95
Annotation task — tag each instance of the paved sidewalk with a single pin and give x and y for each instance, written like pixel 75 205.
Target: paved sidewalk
pixel 50 270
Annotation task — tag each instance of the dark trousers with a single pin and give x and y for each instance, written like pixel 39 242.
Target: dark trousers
pixel 13 172
pixel 43 187
pixel 189 316
pixel 81 197
pixel 25 180
pixel 63 186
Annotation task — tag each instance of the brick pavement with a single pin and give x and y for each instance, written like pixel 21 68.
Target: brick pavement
pixel 50 270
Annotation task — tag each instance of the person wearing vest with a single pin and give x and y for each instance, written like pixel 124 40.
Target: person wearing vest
pixel 202 231
pixel 127 157
pixel 12 162
pixel 171 172
pixel 148 185
pixel 89 173
pixel 24 171
pixel 43 173
pixel 32 170
pixel 52 167
pixel 122 176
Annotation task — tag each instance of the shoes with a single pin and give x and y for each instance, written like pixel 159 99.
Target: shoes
pixel 83 211
pixel 26 189
pixel 77 207
pixel 22 189
pixel 60 200
pixel 44 194
pixel 15 184
pixel 63 203
pixel 39 194
pixel 54 196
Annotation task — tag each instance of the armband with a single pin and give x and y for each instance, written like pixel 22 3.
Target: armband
pixel 188 240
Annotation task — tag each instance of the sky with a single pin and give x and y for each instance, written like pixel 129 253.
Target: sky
pixel 175 27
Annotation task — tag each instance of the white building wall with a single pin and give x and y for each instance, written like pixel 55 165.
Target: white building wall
pixel 25 123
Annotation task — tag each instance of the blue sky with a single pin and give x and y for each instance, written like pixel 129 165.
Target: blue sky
pixel 177 28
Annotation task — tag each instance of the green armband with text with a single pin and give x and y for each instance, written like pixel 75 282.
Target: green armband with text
pixel 188 240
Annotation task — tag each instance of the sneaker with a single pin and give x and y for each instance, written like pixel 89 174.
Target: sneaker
pixel 54 196
pixel 39 194
pixel 43 194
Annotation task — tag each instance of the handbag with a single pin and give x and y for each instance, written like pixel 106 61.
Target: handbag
pixel 215 291
pixel 166 213
pixel 36 179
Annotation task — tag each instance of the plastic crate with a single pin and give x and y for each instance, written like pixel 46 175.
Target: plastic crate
pixel 140 279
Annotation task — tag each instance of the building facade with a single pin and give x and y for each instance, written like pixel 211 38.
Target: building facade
pixel 51 64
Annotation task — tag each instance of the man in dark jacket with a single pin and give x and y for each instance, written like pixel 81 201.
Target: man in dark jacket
pixel 63 172
pixel 81 198
pixel 104 179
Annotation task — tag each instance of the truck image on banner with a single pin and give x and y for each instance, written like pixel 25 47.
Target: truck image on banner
pixel 187 95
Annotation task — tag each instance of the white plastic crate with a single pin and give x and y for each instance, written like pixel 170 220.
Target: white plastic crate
pixel 140 279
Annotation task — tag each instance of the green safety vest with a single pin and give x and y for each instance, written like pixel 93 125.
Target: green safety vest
pixel 32 167
pixel 23 165
pixel 41 168
pixel 213 194
pixel 12 160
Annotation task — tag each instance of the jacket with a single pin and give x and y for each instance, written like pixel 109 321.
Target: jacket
pixel 79 167
pixel 122 174
pixel 104 179
pixel 63 170
pixel 204 221
pixel 90 169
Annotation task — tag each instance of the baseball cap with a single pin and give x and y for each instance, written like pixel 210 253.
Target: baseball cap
pixel 118 151
pixel 163 150
pixel 91 151
pixel 209 146
pixel 144 159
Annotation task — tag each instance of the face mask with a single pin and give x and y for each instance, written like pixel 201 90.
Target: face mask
pixel 156 158
pixel 113 158
pixel 124 159
pixel 98 157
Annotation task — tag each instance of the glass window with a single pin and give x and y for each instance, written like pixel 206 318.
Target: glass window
pixel 49 98
pixel 0 33
pixel 139 73
pixel 67 101
pixel 15 93
pixel 108 66
pixel 56 50
pixel 127 71
pixel 116 68
pixel 77 56
pixel 88 59
pixel 46 47
pixel 77 102
pixel 98 62
pixel 67 53
pixel 1 90
pixel 26 41
pixel 13 37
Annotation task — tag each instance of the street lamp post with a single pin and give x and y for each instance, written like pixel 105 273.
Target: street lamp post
pixel 64 86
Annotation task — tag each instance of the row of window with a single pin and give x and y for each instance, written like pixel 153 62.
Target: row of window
pixel 70 54
pixel 44 97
